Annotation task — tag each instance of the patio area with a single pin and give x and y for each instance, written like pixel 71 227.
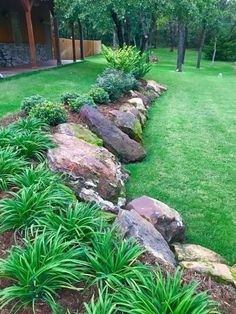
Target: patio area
pixel 11 71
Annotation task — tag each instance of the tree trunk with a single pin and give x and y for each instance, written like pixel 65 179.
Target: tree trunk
pixel 172 36
pixel 81 37
pixel 185 43
pixel 214 52
pixel 200 50
pixel 180 55
pixel 119 28
pixel 127 31
pixel 73 41
pixel 144 43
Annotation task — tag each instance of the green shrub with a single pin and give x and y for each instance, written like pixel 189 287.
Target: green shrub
pixel 127 59
pixel 11 165
pixel 79 102
pixel 155 294
pixel 29 103
pixel 99 95
pixel 110 260
pixel 226 50
pixel 29 124
pixel 68 96
pixel 116 83
pixel 44 265
pixel 75 222
pixel 49 113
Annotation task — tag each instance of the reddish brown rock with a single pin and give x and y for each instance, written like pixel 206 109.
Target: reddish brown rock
pixel 93 172
pixel 116 141
pixel 165 219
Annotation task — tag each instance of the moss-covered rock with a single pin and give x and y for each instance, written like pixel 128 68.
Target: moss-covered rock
pixel 81 132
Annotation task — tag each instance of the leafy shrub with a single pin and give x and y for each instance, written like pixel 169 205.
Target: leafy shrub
pixel 103 304
pixel 116 83
pixel 44 265
pixel 68 96
pixel 99 95
pixel 75 222
pixel 49 113
pixel 154 293
pixel 21 210
pixel 10 166
pixel 127 59
pixel 29 103
pixel 110 259
pixel 226 50
pixel 79 102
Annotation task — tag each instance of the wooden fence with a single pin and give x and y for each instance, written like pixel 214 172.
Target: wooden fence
pixel 91 48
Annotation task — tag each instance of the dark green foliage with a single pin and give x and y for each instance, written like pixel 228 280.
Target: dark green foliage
pixel 75 222
pixel 29 124
pixel 50 113
pixel 127 59
pixel 68 96
pixel 99 95
pixel 25 206
pixel 116 83
pixel 11 165
pixel 103 304
pixel 226 50
pixel 46 264
pixel 79 102
pixel 29 103
pixel 110 260
pixel 153 293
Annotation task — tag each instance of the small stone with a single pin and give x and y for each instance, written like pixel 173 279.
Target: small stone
pixel 138 104
pixel 145 99
pixel 193 252
pixel 165 219
pixel 139 229
pixel 127 107
pixel 151 84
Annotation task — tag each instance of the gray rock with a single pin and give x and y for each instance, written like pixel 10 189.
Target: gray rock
pixel 138 228
pixel 128 123
pixel 116 141
pixel 93 172
pixel 128 107
pixel 145 99
pixel 165 219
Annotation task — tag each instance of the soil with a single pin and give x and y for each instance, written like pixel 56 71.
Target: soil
pixel 11 118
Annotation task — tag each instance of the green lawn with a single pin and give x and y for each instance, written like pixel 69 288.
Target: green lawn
pixel 190 139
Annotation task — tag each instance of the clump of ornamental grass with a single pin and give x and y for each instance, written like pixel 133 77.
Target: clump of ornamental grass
pixel 21 210
pixel 110 260
pixel 77 222
pixel 101 305
pixel 45 264
pixel 10 166
pixel 29 124
pixel 155 293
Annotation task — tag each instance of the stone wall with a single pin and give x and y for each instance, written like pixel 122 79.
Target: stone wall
pixel 18 54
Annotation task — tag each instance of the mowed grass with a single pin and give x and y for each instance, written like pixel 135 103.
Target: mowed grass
pixel 190 140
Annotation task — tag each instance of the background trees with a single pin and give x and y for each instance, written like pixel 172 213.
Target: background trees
pixel 155 23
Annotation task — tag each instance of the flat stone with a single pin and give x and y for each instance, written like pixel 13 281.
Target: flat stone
pixel 91 170
pixel 220 272
pixel 165 219
pixel 145 99
pixel 79 131
pixel 116 141
pixel 128 123
pixel 193 252
pixel 139 229
pixel 158 88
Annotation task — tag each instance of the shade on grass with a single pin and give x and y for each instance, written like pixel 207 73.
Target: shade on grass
pixel 190 140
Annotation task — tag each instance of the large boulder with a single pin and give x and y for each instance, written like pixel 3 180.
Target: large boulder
pixel 221 272
pixel 193 252
pixel 116 141
pixel 165 219
pixel 79 131
pixel 93 172
pixel 128 123
pixel 130 108
pixel 139 229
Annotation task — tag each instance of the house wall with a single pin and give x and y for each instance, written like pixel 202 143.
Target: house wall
pixel 14 46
